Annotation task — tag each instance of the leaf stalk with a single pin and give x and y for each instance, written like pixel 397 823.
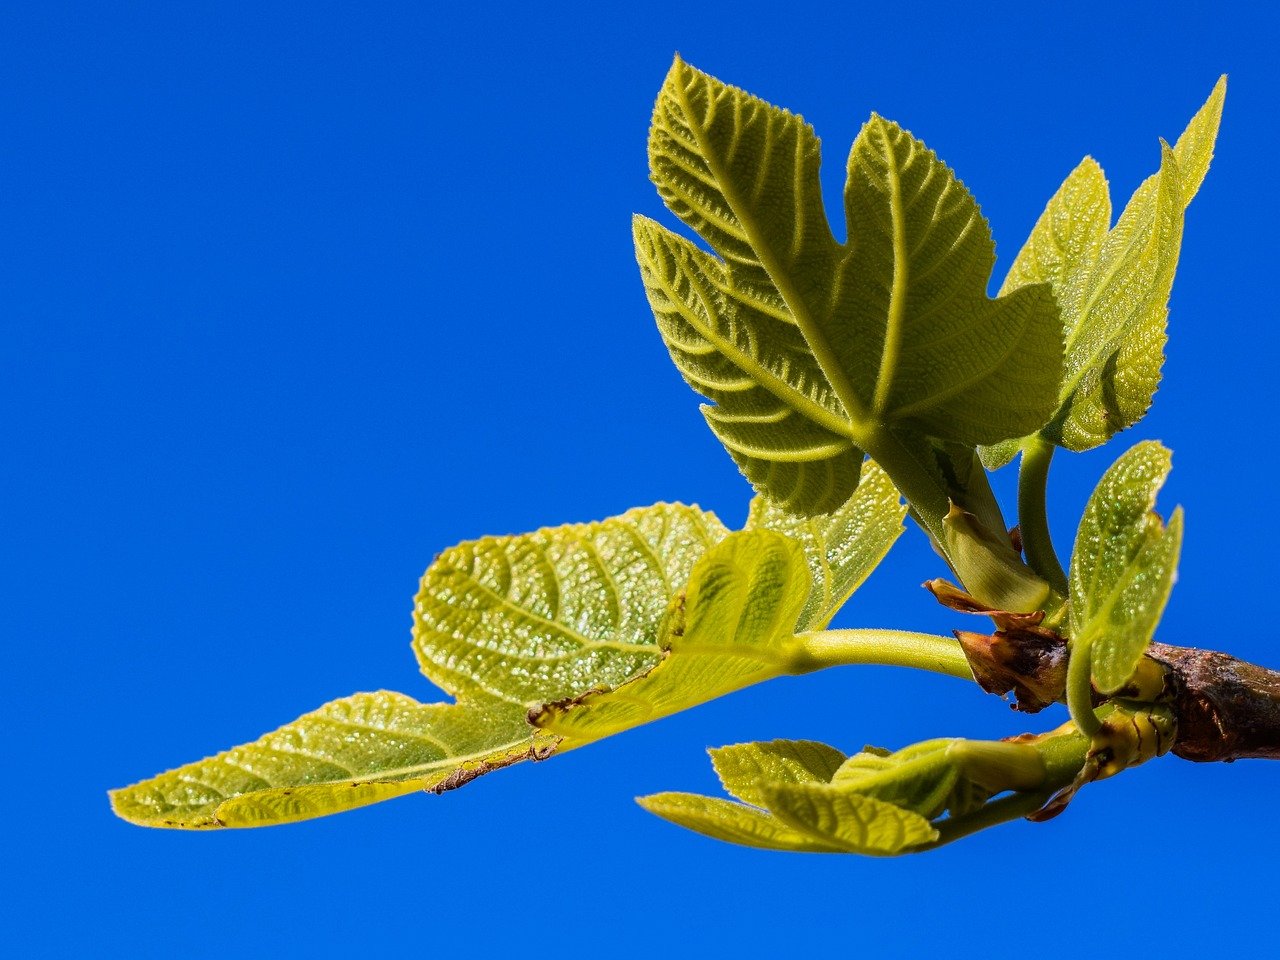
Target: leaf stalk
pixel 819 649
pixel 1033 518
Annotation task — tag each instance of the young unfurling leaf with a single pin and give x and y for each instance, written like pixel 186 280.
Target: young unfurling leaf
pixel 1123 566
pixel 788 804
pixel 807 796
pixel 813 351
pixel 1112 286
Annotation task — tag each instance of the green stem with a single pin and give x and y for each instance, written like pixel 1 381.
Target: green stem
pixel 1064 755
pixel 921 489
pixel 1033 518
pixel 891 648
pixel 1012 807
pixel 1080 686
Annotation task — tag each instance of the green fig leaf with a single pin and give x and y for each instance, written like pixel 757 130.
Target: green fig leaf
pixel 855 822
pixel 772 406
pixel 555 613
pixel 1123 566
pixel 349 753
pixel 842 547
pixel 732 822
pixel 744 767
pixel 812 351
pixel 791 779
pixel 732 628
pixel 503 623
pixel 920 778
pixel 1112 286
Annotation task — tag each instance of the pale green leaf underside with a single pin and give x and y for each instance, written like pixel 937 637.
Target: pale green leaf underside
pixel 349 753
pixel 924 778
pixel 1123 565
pixel 732 822
pixel 807 347
pixel 859 823
pixel 842 547
pixel 773 408
pixel 789 803
pixel 736 629
pixel 555 613
pixel 1112 286
pixel 744 768
pixel 1136 606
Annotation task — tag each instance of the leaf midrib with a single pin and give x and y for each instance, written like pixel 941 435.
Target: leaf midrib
pixel 894 318
pixel 822 351
pixel 1073 381
pixel 749 365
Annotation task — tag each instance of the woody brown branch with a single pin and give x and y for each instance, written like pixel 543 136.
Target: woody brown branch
pixel 1227 709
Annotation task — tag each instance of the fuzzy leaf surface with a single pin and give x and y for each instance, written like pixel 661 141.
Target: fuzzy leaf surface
pixel 732 822
pixel 1124 565
pixel 744 767
pixel 810 349
pixel 1112 285
pixel 841 547
pixel 552 614
pixel 349 753
pixel 734 628
pixel 853 821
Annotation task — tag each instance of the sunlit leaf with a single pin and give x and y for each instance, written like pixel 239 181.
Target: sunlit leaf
pixel 1123 566
pixel 812 351
pixel 773 408
pixel 1062 250
pixel 744 767
pixel 552 614
pixel 1113 286
pixel 856 822
pixel 732 822
pixel 734 628
pixel 349 753
pixel 791 779
pixel 842 547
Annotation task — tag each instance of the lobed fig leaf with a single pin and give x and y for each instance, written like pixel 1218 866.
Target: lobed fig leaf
pixel 813 351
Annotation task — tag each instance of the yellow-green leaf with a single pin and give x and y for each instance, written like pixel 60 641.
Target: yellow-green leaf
pixel 1115 349
pixel 733 822
pixel 842 817
pixel 813 351
pixel 913 328
pixel 1112 286
pixel 349 753
pixel 1062 250
pixel 734 628
pixel 842 547
pixel 772 406
pixel 744 767
pixel 1123 566
pixel 1194 149
pixel 555 613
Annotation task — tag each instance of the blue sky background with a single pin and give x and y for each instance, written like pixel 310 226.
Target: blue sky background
pixel 296 295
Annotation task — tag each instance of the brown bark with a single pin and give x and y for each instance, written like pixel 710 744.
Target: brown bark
pixel 1227 709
